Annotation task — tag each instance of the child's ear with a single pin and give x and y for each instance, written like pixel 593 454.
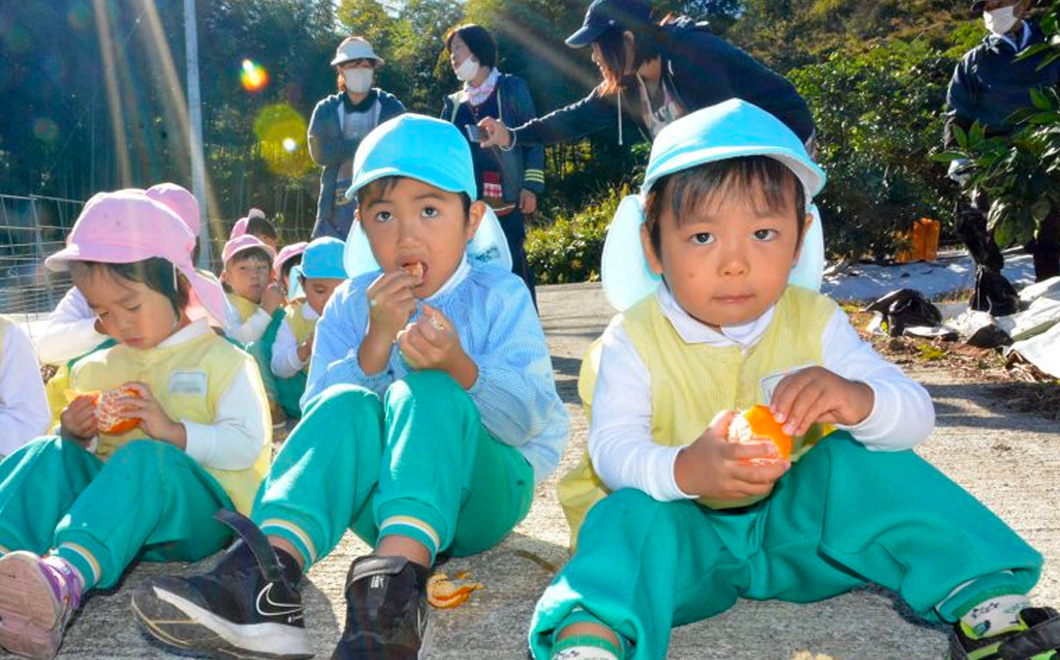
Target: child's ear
pixel 475 214
pixel 654 262
pixel 802 239
pixel 224 275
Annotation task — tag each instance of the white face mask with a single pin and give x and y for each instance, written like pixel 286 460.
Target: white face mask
pixel 467 70
pixel 1001 21
pixel 359 80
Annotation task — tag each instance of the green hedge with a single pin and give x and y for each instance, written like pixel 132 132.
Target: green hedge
pixel 569 249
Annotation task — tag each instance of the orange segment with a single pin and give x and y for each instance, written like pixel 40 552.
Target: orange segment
pixel 765 426
pixel 108 413
pixel 443 593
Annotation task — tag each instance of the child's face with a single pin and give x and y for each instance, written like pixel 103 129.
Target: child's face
pixel 247 277
pixel 730 261
pixel 416 223
pixel 130 312
pixel 318 291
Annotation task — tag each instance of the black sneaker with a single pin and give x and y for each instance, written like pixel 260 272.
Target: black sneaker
pixel 1036 638
pixel 244 608
pixel 386 611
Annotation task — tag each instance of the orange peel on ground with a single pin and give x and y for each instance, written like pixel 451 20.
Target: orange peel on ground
pixel 757 424
pixel 444 593
pixel 109 419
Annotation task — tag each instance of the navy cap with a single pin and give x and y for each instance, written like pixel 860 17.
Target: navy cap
pixel 604 14
pixel 977 6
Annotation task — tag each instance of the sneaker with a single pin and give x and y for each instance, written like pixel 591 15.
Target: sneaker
pixel 386 611
pixel 244 608
pixel 37 598
pixel 1036 638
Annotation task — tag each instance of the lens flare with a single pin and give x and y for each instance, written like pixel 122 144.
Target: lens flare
pixel 253 76
pixel 45 130
pixel 281 140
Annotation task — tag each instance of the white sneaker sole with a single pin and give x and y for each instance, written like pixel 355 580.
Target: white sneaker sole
pixel 30 615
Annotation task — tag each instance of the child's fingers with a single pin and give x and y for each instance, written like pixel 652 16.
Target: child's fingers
pixel 409 351
pixel 721 422
pixel 802 408
pixel 786 393
pixel 761 473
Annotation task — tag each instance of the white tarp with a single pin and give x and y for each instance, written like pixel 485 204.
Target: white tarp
pixel 1043 351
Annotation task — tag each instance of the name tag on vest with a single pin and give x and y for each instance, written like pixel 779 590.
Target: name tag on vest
pixel 769 383
pixel 188 382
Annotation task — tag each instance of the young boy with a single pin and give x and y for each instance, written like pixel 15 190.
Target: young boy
pixel 689 522
pixel 257 225
pixel 319 274
pixel 430 414
pixel 24 410
pixel 253 297
pixel 286 259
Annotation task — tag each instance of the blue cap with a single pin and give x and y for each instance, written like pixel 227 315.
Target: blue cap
pixel 603 15
pixel 419 147
pixel 732 129
pixel 323 259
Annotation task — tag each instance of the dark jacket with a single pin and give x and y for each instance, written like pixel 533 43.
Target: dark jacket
pixel 524 165
pixel 703 69
pixel 328 148
pixel 988 84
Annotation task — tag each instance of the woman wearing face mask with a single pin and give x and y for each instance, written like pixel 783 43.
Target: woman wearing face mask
pixel 338 125
pixel 508 180
pixel 989 84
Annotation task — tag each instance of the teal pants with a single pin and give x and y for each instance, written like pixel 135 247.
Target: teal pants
pixel 841 517
pixel 287 392
pixel 149 500
pixel 417 463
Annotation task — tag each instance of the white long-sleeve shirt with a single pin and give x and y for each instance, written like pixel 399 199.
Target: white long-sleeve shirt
pixel 285 361
pixel 248 331
pixel 24 413
pixel 70 331
pixel 621 447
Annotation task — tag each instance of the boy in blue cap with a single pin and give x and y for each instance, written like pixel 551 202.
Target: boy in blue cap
pixel 682 515
pixel 430 414
pixel 315 279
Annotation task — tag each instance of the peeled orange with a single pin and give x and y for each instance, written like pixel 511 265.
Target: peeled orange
pixel 757 424
pixel 109 419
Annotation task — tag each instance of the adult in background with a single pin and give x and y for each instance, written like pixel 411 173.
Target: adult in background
pixel 654 72
pixel 988 85
pixel 338 125
pixel 509 180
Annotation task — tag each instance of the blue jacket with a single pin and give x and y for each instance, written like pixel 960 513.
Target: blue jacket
pixel 988 85
pixel 702 69
pixel 524 165
pixel 328 148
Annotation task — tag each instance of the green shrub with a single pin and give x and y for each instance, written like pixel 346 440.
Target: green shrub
pixel 569 249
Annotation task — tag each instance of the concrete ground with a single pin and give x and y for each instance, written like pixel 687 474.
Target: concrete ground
pixel 1009 461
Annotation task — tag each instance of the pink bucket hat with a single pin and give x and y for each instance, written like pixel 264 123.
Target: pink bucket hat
pixel 239 229
pixel 244 242
pixel 180 201
pixel 286 253
pixel 128 226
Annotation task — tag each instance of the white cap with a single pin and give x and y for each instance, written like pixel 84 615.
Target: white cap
pixel 355 48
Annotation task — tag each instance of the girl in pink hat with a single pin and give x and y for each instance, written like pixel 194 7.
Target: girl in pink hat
pixel 163 430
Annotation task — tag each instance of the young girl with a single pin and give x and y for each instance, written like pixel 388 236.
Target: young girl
pixel 286 259
pixel 77 508
pixel 691 521
pixel 430 414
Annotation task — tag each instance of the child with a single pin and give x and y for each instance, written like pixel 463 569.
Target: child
pixel 289 257
pixel 94 498
pixel 430 414
pixel 688 522
pixel 254 298
pixel 256 224
pixel 23 406
pixel 319 274
pixel 72 329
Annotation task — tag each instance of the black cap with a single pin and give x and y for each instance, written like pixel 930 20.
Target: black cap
pixel 604 14
pixel 977 6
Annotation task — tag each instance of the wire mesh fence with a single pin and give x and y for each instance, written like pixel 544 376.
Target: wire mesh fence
pixel 31 228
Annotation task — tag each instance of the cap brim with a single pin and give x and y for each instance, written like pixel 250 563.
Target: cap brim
pixel 207 299
pixel 438 179
pixel 60 261
pixel 584 36
pixel 379 61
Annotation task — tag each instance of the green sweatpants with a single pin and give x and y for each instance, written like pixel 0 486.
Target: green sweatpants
pixel 841 517
pixel 285 391
pixel 419 463
pixel 149 499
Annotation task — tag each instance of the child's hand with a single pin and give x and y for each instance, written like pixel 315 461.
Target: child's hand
pixel 153 420
pixel 816 394
pixel 432 343
pixel 78 421
pixel 305 349
pixel 712 467
pixel 390 304
pixel 272 298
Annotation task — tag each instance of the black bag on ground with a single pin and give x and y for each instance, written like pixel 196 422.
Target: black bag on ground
pixel 993 293
pixel 904 308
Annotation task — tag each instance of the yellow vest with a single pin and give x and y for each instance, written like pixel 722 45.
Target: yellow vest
pixel 691 383
pixel 300 325
pixel 188 380
pixel 245 307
